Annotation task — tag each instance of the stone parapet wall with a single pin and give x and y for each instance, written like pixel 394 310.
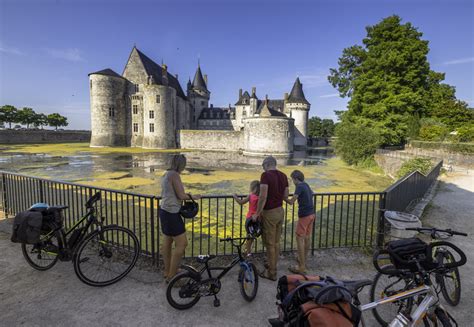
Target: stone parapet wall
pixel 9 136
pixel 211 140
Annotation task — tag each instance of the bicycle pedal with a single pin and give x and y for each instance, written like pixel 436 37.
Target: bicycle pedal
pixel 217 303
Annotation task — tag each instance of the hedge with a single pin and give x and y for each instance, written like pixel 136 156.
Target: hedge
pixel 466 148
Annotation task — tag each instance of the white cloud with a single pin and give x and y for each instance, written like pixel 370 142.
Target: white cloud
pixel 11 50
pixel 332 95
pixel 459 61
pixel 70 54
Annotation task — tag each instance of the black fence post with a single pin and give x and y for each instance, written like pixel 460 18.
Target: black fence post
pixel 4 196
pixel 381 223
pixel 41 193
pixel 152 219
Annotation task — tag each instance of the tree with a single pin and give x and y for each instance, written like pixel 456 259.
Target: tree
pixel 389 80
pixel 41 120
pixel 26 116
pixel 320 128
pixel 9 114
pixel 355 142
pixel 56 120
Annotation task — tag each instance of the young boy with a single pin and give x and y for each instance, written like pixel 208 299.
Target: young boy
pixel 306 217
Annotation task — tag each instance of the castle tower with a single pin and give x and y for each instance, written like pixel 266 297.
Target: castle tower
pixel 242 108
pixel 298 107
pixel 198 94
pixel 109 115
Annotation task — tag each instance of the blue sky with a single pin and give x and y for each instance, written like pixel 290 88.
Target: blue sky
pixel 47 48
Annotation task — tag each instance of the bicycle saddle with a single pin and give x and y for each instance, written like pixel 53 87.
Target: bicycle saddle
pixel 205 258
pixel 58 207
pixel 355 286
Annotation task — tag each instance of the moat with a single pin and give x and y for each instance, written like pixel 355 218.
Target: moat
pixel 139 170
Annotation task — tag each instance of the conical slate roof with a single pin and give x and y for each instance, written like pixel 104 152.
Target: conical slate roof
pixel 297 94
pixel 198 82
pixel 107 71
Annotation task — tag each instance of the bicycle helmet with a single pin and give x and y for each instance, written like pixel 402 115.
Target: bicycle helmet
pixel 189 209
pixel 254 228
pixel 39 207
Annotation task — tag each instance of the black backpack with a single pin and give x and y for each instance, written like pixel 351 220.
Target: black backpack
pixel 27 227
pixel 410 248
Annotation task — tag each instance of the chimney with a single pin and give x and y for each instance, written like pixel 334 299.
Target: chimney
pixel 205 79
pixel 254 90
pixel 212 106
pixel 176 75
pixel 240 93
pixel 164 74
pixel 285 96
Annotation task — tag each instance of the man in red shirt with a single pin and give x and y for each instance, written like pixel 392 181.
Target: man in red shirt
pixel 273 189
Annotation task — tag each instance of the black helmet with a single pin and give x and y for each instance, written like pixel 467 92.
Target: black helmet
pixel 254 228
pixel 189 208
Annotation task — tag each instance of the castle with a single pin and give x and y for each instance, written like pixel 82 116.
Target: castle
pixel 146 107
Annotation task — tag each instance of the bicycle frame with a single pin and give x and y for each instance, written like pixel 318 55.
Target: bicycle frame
pixel 401 320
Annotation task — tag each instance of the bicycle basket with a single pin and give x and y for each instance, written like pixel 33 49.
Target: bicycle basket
pixel 396 222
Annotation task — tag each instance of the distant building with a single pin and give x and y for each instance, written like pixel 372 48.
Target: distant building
pixel 146 107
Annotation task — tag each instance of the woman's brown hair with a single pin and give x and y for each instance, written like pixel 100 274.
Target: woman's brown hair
pixel 178 163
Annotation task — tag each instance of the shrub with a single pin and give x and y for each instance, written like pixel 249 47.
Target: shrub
pixel 356 143
pixel 433 133
pixel 423 165
pixel 465 134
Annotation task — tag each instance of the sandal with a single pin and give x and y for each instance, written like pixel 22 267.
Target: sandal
pixel 266 275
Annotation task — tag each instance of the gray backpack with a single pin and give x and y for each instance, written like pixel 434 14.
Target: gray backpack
pixel 27 227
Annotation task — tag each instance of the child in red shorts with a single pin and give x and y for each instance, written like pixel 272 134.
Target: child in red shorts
pixel 306 217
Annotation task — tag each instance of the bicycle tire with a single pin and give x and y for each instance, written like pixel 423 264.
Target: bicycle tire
pixel 173 285
pixel 52 259
pixel 108 235
pixel 404 305
pixel 443 317
pixel 248 275
pixel 452 297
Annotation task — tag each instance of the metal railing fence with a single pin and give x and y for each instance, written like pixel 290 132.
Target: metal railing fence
pixel 345 219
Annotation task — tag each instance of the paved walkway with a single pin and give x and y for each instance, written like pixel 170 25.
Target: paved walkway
pixel 57 298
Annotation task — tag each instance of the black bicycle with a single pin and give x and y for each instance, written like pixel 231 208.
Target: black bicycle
pixel 102 255
pixel 187 287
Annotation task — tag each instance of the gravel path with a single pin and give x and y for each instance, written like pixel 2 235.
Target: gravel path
pixel 57 298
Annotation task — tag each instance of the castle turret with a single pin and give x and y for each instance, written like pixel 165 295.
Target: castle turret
pixel 198 94
pixel 109 114
pixel 298 107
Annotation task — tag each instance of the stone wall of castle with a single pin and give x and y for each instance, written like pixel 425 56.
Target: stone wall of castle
pixel 211 140
pixel 269 135
pixel 11 136
pixel 110 117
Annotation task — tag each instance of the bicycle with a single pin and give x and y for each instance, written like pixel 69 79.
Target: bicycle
pixel 101 257
pixel 409 287
pixel 191 284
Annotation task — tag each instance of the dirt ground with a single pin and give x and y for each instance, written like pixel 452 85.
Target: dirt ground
pixel 57 297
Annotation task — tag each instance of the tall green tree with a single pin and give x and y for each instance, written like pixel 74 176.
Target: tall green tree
pixel 56 120
pixel 9 114
pixel 318 127
pixel 41 120
pixel 26 116
pixel 388 80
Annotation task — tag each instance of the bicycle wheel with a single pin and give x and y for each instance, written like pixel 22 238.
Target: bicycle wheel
pixel 44 255
pixel 183 291
pixel 384 286
pixel 443 317
pixel 450 281
pixel 248 280
pixel 105 257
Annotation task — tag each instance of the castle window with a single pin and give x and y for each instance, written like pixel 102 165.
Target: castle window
pixel 135 109
pixel 152 128
pixel 158 99
pixel 91 84
pixel 152 114
pixel 111 111
pixel 137 88
pixel 135 127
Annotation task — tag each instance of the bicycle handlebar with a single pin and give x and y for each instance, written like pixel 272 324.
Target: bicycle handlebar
pixel 450 265
pixel 434 230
